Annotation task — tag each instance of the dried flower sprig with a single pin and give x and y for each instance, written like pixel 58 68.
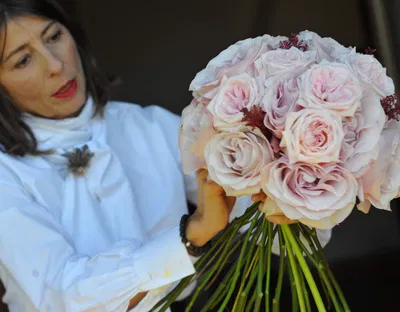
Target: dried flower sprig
pixel 294 41
pixel 79 160
pixel 391 107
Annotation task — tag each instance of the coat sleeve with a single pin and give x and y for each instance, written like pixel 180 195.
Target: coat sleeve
pixel 41 259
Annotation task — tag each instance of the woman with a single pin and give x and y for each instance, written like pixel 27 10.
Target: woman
pixel 92 194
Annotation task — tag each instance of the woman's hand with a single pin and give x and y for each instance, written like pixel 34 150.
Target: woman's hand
pixel 213 210
pixel 278 218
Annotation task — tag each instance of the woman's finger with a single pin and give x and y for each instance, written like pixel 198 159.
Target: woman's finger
pixel 213 189
pixel 201 175
pixel 231 202
pixel 279 219
pixel 259 197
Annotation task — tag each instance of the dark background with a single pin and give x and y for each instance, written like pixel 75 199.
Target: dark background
pixel 158 46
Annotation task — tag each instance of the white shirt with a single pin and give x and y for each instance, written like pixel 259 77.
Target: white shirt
pixel 63 252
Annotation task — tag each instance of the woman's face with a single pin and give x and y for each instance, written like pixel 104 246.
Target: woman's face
pixel 41 68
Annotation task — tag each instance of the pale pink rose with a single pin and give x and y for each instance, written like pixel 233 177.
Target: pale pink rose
pixel 244 60
pixel 313 136
pixel 381 183
pixel 234 94
pixel 318 195
pixel 326 48
pixel 195 132
pixel 330 86
pixel 235 160
pixel 278 101
pixel 236 59
pixel 284 64
pixel 207 92
pixel 361 135
pixel 371 74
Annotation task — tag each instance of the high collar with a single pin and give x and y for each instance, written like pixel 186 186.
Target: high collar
pixel 63 133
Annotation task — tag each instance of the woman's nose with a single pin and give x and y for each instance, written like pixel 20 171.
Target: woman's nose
pixel 54 63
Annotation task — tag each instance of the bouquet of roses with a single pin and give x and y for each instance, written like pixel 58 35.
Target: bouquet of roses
pixel 313 126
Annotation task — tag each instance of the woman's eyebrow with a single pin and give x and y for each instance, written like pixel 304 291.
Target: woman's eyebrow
pixel 20 48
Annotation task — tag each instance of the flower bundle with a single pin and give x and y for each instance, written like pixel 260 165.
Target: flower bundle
pixel 311 124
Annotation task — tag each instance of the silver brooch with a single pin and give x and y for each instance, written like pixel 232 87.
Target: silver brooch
pixel 79 160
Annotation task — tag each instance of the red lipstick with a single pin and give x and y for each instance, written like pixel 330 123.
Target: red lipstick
pixel 67 90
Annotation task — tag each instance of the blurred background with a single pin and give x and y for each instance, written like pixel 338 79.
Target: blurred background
pixel 158 46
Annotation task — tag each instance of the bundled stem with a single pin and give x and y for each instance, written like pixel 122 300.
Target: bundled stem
pixel 295 272
pixel 330 274
pixel 305 292
pixel 261 269
pixel 321 271
pixel 237 272
pixel 275 301
pixel 268 258
pixel 218 264
pixel 295 302
pixel 253 268
pixel 242 295
pixel 311 283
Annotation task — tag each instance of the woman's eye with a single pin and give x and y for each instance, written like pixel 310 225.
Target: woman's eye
pixel 23 62
pixel 55 37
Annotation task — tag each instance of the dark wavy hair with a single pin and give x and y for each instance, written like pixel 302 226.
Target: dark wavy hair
pixel 16 137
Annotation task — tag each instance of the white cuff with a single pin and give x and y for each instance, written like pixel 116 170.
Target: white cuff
pixel 162 261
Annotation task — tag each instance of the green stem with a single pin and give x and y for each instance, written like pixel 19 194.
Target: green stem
pixel 238 266
pixel 269 259
pixel 210 261
pixel 167 301
pixel 246 275
pixel 320 268
pixel 254 275
pixel 215 267
pixel 260 293
pixel 238 222
pixel 220 242
pixel 313 287
pixel 249 306
pixel 254 240
pixel 295 302
pixel 275 301
pixel 292 262
pixel 305 292
pixel 237 244
pixel 231 271
pixel 222 289
pixel 326 294
pixel 243 295
pixel 339 291
pixel 330 274
pixel 241 298
pixel 227 282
